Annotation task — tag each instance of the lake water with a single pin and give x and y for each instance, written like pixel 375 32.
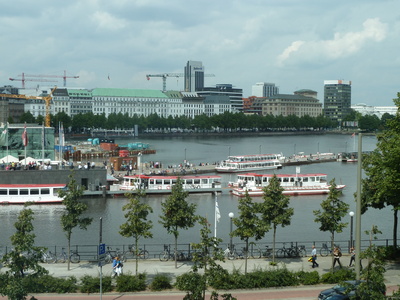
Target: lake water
pixel 174 150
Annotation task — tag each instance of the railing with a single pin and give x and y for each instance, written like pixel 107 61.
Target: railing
pixel 90 252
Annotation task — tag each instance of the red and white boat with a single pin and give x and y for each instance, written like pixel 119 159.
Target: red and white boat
pixel 161 183
pixel 293 184
pixel 34 193
pixel 253 162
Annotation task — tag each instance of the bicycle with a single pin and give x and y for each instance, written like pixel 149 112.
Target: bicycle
pixel 133 253
pixel 166 254
pixel 111 254
pixel 233 254
pixel 48 257
pixel 266 253
pixel 285 252
pixel 74 257
pixel 325 251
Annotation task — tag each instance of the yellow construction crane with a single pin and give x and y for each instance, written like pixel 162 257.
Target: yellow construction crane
pixel 47 100
pixel 165 75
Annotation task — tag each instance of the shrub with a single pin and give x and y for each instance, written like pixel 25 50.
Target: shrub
pixel 160 282
pixel 308 278
pixel 219 278
pixel 91 284
pixel 189 281
pixel 338 276
pixel 131 283
pixel 50 284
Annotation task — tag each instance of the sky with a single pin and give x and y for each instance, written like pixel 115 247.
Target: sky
pixel 294 44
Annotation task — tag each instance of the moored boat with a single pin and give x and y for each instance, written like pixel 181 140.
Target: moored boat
pixel 293 184
pixel 253 162
pixel 33 193
pixel 163 184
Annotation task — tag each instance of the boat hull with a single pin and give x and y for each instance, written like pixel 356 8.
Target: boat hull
pixel 231 170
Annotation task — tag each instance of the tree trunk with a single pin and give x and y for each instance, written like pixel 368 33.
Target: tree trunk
pixel 245 254
pixel 176 252
pixel 137 255
pixel 69 252
pixel 395 221
pixel 273 245
pixel 332 245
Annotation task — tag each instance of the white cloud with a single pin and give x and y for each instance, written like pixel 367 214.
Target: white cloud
pixel 106 21
pixel 342 44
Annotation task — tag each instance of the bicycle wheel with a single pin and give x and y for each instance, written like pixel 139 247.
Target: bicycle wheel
pixel 51 258
pixel 164 256
pixel 61 258
pixel 324 251
pixel 303 252
pixel 127 255
pixel 75 258
pixel 280 253
pixel 256 253
pixel 144 254
pixel 232 255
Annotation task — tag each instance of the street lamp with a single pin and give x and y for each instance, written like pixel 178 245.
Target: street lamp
pixel 294 148
pixel 351 228
pixel 260 150
pixel 231 215
pixel 185 156
pixel 229 151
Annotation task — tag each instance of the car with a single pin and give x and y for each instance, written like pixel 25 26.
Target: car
pixel 340 290
pixel 343 291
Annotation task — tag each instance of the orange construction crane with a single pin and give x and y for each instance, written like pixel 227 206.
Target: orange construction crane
pixel 47 100
pixel 23 75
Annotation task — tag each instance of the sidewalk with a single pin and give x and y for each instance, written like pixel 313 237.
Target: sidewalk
pixel 152 267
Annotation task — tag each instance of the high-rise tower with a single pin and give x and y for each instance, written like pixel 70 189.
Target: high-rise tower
pixel 264 89
pixel 337 99
pixel 194 76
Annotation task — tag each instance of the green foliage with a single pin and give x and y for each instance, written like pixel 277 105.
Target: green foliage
pixel 136 224
pixel 50 284
pixel 248 224
pixel 90 284
pixel 191 282
pixel 275 210
pixel 219 278
pixel 72 215
pixel 177 213
pixel 338 276
pixel 308 278
pixel 131 283
pixel 160 282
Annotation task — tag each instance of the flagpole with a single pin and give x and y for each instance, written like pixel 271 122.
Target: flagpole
pixel 7 140
pixel 43 141
pixel 215 216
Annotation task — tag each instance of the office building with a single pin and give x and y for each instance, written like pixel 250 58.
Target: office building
pixel 337 99
pixel 264 89
pixel 235 95
pixel 194 76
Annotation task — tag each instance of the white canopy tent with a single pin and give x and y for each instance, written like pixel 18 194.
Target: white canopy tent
pixel 27 160
pixel 8 159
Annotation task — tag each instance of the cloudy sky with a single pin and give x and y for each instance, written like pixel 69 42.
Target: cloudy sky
pixel 294 44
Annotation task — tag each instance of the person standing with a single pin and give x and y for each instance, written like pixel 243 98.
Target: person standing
pixel 353 256
pixel 336 257
pixel 314 257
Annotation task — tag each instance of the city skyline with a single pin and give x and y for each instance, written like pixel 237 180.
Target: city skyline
pixel 288 43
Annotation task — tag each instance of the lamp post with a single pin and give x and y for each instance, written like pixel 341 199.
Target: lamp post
pixel 294 148
pixel 231 215
pixel 229 151
pixel 351 228
pixel 260 150
pixel 185 156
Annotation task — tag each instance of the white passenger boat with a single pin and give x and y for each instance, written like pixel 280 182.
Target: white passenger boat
pixel 34 193
pixel 156 183
pixel 254 162
pixel 293 184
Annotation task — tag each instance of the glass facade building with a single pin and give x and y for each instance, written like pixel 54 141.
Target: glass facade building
pixel 40 142
pixel 337 99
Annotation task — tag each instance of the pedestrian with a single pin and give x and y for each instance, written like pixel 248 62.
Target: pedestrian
pixel 114 267
pixel 353 256
pixel 118 266
pixel 336 257
pixel 314 257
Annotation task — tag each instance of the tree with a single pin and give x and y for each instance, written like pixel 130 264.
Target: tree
pixel 177 213
pixel 381 185
pixel 333 210
pixel 275 209
pixel 137 225
pixel 206 255
pixel 72 215
pixel 24 256
pixel 248 224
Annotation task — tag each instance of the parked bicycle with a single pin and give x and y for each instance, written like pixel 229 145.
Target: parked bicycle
pixel 233 254
pixel 262 253
pixel 74 257
pixel 132 253
pixel 111 254
pixel 48 257
pixel 166 254
pixel 284 252
pixel 325 251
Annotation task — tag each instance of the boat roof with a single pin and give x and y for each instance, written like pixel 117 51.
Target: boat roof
pixel 33 185
pixel 249 161
pixel 173 177
pixel 283 175
pixel 255 155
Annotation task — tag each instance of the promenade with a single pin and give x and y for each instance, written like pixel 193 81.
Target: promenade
pixel 153 266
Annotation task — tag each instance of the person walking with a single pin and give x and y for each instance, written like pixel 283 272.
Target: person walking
pixel 336 257
pixel 314 257
pixel 118 266
pixel 114 266
pixel 353 256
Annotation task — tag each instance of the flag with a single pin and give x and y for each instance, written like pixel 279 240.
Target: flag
pixel 3 135
pixel 25 137
pixel 217 213
pixel 353 135
pixel 61 135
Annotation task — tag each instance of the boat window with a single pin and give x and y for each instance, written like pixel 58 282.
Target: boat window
pixel 204 181
pixel 3 191
pixel 305 179
pixel 285 179
pixel 291 179
pixel 151 181
pixel 312 178
pixel 173 181
pixel 24 192
pixel 167 181
pixel 196 181
pixel 34 191
pixel 280 179
pixel 158 181
pixel 55 191
pixel 45 191
pixel 265 179
pixel 13 192
pixel 189 181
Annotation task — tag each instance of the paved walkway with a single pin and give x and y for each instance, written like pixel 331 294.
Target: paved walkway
pixel 153 266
